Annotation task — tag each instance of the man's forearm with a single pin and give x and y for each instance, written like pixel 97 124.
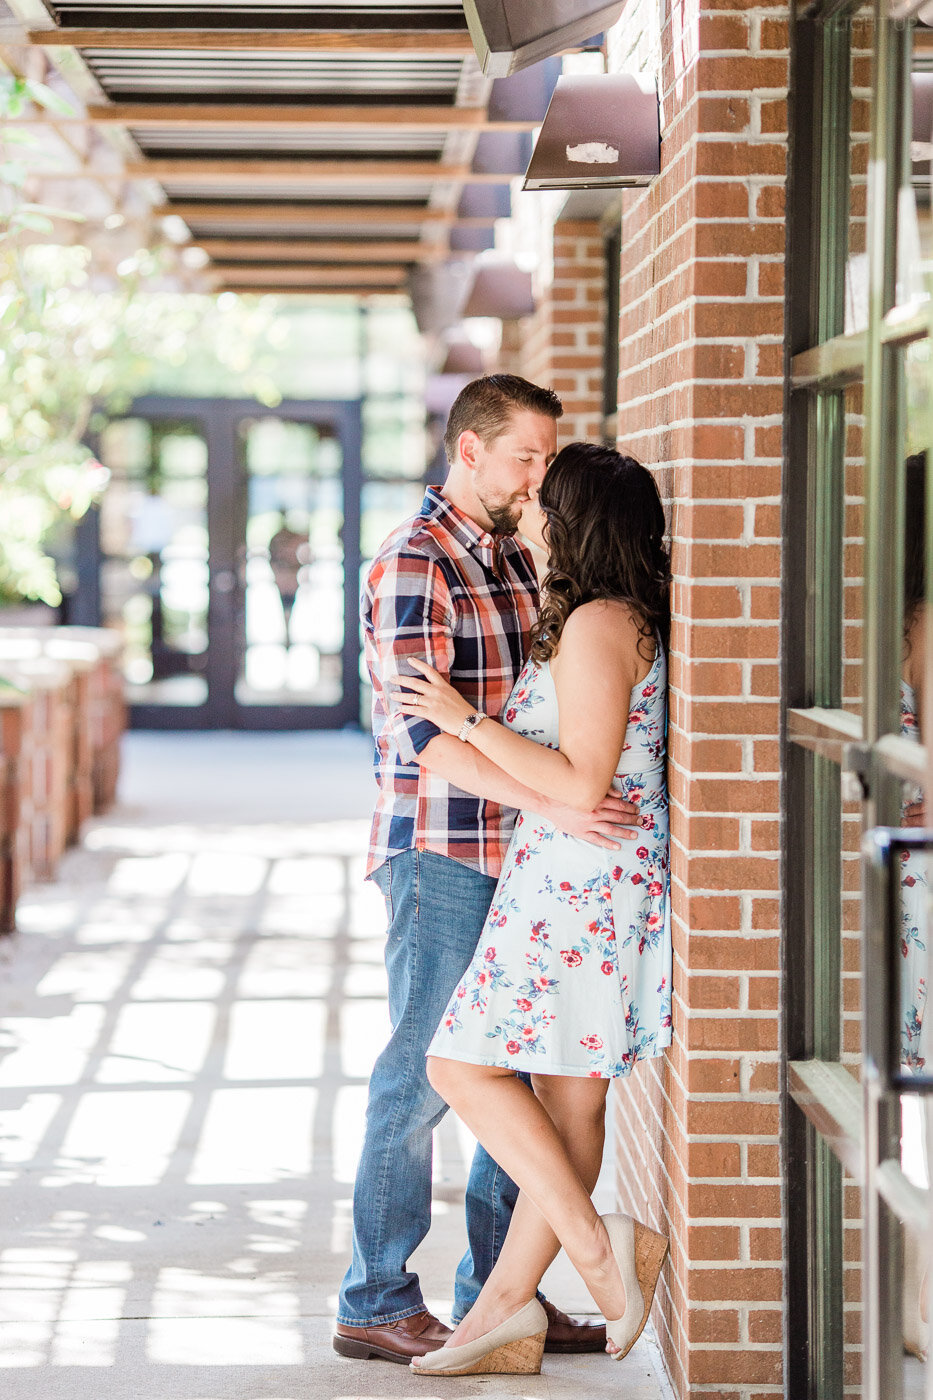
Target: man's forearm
pixel 462 765
pixel 471 771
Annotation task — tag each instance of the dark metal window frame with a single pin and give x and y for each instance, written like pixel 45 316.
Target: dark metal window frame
pixel 830 1120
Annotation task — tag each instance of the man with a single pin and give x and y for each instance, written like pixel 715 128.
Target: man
pixel 289 553
pixel 452 586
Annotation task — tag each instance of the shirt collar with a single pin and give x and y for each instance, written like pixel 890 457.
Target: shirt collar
pixel 471 536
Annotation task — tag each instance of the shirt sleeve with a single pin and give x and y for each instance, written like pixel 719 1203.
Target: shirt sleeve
pixel 411 615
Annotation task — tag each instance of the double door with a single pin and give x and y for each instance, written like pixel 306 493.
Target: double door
pixel 227 553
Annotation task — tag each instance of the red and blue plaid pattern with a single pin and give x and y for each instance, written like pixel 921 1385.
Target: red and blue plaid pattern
pixel 442 589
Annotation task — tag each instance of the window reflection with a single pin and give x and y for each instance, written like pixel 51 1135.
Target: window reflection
pixel 914 213
pixel 852 823
pixel 856 272
pixel 914 884
pixel 914 1029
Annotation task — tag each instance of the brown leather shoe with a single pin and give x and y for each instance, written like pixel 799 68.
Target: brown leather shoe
pixel 393 1341
pixel 568 1334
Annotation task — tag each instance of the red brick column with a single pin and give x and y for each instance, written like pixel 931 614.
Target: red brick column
pixel 700 399
pixel 561 345
pixel 15 725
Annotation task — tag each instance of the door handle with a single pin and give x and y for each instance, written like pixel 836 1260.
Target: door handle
pixel 224 581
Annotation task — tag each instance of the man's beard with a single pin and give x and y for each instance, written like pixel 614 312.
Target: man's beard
pixel 504 516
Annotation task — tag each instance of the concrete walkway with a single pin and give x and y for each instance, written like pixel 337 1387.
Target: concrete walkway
pixel 189 1016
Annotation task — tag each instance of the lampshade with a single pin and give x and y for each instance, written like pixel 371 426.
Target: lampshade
pixel 501 289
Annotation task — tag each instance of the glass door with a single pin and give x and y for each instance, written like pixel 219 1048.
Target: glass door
pixel 229 556
pixel 293 623
pixel 153 539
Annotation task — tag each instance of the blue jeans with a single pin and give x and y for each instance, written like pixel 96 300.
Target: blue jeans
pixel 437 908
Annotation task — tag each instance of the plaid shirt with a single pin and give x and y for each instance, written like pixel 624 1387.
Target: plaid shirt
pixel 442 589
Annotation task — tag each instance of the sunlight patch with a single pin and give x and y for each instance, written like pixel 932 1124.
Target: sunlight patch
pixel 255 1135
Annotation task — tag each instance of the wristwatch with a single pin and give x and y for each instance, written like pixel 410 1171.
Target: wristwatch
pixel 469 724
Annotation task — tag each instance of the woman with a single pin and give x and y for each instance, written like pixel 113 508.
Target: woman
pixel 915 1032
pixel 571 976
pixel 916 1054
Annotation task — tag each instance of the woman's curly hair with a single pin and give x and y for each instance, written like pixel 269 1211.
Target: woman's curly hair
pixel 605 538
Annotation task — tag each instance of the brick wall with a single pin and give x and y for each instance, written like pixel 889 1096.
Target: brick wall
pixel 561 345
pixel 700 399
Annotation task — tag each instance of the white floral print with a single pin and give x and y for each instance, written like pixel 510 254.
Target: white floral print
pixel 915 1050
pixel 572 973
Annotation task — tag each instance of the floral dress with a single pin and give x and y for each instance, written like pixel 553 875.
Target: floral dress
pixel 572 972
pixel 915 1036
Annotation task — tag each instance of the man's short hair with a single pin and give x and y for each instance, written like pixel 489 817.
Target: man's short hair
pixel 485 406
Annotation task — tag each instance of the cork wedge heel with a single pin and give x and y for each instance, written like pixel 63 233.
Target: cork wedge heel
pixel 514 1348
pixel 639 1253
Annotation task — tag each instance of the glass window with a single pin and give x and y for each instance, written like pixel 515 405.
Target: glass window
pixel 859 432
pixel 291 566
pixel 154 574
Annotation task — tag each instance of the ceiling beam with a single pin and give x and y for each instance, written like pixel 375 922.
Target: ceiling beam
pixel 214 171
pixel 289 289
pixel 317 215
pixel 307 216
pixel 379 42
pixel 303 250
pixel 299 276
pixel 205 116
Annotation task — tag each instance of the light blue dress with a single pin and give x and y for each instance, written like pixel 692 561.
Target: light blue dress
pixel 572 972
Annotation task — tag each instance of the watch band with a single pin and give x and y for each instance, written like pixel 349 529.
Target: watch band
pixel 469 724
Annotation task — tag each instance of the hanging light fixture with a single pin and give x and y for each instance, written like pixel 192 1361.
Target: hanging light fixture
pixel 501 289
pixel 511 34
pixel 601 130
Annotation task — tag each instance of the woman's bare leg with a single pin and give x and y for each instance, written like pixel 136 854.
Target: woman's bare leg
pixel 577 1108
pixel 516 1129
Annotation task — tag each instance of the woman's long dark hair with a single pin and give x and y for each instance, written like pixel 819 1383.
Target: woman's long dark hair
pixel 605 539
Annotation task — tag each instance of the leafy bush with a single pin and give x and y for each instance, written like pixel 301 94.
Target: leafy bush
pixel 45 471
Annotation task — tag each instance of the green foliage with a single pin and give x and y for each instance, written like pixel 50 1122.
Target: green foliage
pixel 21 153
pixel 71 342
pixel 68 344
pixel 45 472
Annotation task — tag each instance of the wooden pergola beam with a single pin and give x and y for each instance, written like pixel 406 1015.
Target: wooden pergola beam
pixel 214 171
pixel 317 215
pixel 360 41
pixel 202 116
pixel 304 276
pixel 344 251
pixel 288 289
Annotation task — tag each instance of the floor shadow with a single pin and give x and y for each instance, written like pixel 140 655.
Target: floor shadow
pixel 190 1015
